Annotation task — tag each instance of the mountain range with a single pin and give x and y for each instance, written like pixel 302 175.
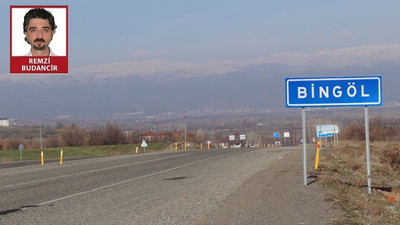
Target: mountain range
pixel 151 87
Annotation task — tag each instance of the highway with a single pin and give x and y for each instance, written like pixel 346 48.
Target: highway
pixel 179 187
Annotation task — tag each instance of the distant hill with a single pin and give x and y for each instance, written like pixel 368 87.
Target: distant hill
pixel 153 87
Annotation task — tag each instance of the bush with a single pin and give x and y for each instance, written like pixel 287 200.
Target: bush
pixel 95 137
pixel 355 131
pixel 109 135
pixel 391 155
pixel 11 144
pixel 378 131
pixel 112 135
pixel 53 141
pixel 73 136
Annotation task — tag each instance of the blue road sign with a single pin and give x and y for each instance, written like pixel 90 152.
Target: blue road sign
pixel 322 134
pixel 333 91
pixel 276 135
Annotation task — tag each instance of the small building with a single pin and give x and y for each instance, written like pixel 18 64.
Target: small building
pixel 4 122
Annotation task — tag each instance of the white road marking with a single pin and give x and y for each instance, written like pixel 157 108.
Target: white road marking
pixel 123 182
pixel 87 172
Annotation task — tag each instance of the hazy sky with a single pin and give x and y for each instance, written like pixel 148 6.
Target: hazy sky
pixel 166 40
pixel 103 32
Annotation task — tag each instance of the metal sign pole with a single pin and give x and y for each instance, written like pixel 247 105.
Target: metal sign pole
pixel 303 122
pixel 367 148
pixel 20 148
pixel 334 136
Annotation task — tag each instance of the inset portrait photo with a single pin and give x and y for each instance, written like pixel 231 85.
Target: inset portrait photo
pixel 38 39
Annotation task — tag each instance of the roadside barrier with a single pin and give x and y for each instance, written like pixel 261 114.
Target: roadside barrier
pixel 61 157
pixel 41 158
pixel 317 155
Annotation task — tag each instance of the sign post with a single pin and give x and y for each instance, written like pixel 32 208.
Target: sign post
pixel 367 148
pixel 20 148
pixel 144 145
pixel 303 125
pixel 331 92
pixel 328 130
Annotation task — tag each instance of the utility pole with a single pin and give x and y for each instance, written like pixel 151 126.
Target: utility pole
pixel 40 131
pixel 185 130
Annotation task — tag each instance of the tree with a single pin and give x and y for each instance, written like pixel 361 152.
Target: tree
pixel 73 135
pixel 133 137
pixel 53 141
pixel 95 137
pixel 112 135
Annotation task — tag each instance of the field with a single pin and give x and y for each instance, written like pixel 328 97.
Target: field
pixel 343 172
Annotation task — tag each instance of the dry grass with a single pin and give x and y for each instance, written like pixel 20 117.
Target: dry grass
pixel 343 171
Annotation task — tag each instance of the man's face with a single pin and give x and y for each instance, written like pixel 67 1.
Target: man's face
pixel 39 33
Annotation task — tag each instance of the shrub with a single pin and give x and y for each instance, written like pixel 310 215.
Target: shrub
pixel 355 131
pixel 73 136
pixel 112 135
pixel 378 131
pixel 11 144
pixel 391 155
pixel 95 137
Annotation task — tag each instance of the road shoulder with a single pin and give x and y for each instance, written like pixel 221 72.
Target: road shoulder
pixel 277 195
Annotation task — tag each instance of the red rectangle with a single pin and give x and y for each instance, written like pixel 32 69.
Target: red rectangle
pixel 38 65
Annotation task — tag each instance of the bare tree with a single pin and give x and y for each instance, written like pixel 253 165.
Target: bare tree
pixel 11 144
pixel 112 135
pixel 133 137
pixel 73 136
pixel 95 137
pixel 53 141
pixel 201 136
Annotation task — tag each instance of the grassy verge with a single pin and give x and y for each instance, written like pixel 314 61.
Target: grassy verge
pixel 343 171
pixel 81 151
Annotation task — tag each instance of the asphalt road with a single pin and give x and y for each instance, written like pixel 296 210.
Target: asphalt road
pixel 184 187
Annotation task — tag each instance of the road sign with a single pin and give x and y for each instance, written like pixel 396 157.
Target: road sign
pixel 286 134
pixel 144 144
pixel 326 130
pixel 231 137
pixel 333 91
pixel 21 147
pixel 276 135
pixel 321 134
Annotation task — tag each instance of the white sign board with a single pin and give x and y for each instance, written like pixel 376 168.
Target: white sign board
pixel 231 137
pixel 286 134
pixel 326 130
pixel 242 137
pixel 144 144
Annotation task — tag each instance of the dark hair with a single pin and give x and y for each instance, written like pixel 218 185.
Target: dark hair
pixel 39 13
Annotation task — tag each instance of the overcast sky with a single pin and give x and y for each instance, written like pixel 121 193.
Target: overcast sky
pixel 195 32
